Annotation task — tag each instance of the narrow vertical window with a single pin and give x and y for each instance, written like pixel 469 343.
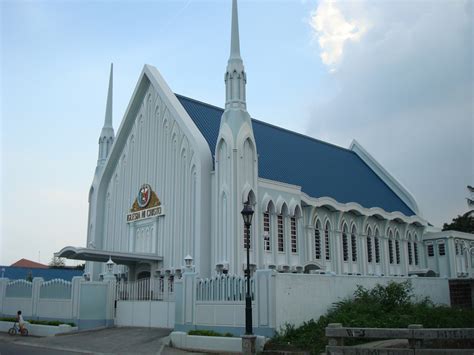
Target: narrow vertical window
pixel 390 251
pixel 456 246
pixel 369 245
pixel 430 250
pixel 410 254
pixel 354 243
pixel 377 246
pixel 397 250
pixel 317 241
pixel 345 246
pixel 294 239
pixel 441 249
pixel 266 231
pixel 327 246
pixel 415 251
pixel 281 244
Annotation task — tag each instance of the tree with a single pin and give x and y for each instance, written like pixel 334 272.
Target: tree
pixel 57 262
pixel 464 223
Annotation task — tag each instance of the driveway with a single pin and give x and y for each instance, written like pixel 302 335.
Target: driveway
pixel 120 340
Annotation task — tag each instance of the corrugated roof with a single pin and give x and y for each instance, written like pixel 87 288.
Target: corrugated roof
pixel 320 168
pixel 29 264
pixel 23 273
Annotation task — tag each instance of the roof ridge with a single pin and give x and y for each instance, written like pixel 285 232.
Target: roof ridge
pixel 268 124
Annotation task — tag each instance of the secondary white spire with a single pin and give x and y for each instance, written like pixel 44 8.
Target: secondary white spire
pixel 107 134
pixel 108 109
pixel 235 77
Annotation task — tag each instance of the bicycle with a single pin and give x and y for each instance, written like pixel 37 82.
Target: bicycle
pixel 16 329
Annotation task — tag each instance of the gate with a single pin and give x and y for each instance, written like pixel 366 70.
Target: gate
pixel 145 303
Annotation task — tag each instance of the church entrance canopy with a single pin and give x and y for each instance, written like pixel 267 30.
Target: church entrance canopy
pixel 89 254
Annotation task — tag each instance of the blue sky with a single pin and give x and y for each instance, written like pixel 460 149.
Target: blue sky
pixel 384 73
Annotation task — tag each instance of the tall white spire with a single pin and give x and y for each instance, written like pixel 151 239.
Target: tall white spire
pixel 107 134
pixel 234 40
pixel 235 77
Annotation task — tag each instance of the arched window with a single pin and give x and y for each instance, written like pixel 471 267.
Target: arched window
pixel 317 240
pixel 293 235
pixel 377 246
pixel 267 244
pixel 390 247
pixel 369 245
pixel 280 232
pixel 410 252
pixel 397 247
pixel 345 244
pixel 354 243
pixel 415 249
pixel 327 245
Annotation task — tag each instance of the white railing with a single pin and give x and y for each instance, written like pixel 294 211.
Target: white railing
pixel 224 288
pixel 153 289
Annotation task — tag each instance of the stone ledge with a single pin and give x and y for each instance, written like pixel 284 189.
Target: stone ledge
pixel 182 340
pixel 40 330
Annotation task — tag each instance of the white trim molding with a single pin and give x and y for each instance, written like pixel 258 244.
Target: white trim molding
pixel 400 190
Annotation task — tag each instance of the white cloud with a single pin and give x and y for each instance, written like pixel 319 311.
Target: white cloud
pixel 406 92
pixel 333 31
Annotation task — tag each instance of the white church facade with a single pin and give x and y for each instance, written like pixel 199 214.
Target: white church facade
pixel 173 181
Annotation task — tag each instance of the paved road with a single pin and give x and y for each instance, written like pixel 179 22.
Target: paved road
pixel 16 349
pixel 123 340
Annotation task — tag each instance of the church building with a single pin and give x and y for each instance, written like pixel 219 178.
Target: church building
pixel 173 181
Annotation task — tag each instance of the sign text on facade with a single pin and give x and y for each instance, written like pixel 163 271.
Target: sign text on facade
pixel 150 212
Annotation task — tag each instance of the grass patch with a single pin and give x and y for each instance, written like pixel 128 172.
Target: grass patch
pixel 390 306
pixel 209 333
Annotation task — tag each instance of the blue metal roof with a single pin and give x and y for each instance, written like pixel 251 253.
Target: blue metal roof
pixel 17 273
pixel 320 168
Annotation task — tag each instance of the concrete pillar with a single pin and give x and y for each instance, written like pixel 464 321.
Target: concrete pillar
pixel 3 291
pixel 75 292
pixel 111 282
pixel 451 255
pixel 265 302
pixel 35 295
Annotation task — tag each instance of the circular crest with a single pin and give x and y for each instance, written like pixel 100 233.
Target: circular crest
pixel 144 195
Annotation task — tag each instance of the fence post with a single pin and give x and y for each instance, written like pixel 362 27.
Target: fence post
pixel 265 298
pixel 111 282
pixel 3 292
pixel 413 342
pixel 335 341
pixel 185 298
pixel 35 296
pixel 75 290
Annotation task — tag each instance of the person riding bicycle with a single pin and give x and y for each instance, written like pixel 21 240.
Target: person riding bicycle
pixel 20 320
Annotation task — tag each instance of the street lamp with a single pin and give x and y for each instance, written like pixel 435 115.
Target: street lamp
pixel 247 214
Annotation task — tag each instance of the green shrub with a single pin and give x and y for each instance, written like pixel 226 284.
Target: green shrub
pixel 389 306
pixel 8 319
pixel 209 333
pixel 39 322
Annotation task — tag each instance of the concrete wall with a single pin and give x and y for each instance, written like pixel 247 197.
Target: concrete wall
pixel 158 314
pixel 301 297
pixel 223 315
pixel 88 304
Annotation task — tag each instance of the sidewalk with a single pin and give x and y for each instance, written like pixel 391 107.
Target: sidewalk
pixel 126 340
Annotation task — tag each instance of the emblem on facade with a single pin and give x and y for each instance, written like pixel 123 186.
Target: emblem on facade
pixel 146 205
pixel 144 196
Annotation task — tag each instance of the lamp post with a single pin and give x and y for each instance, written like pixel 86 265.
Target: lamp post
pixel 247 214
